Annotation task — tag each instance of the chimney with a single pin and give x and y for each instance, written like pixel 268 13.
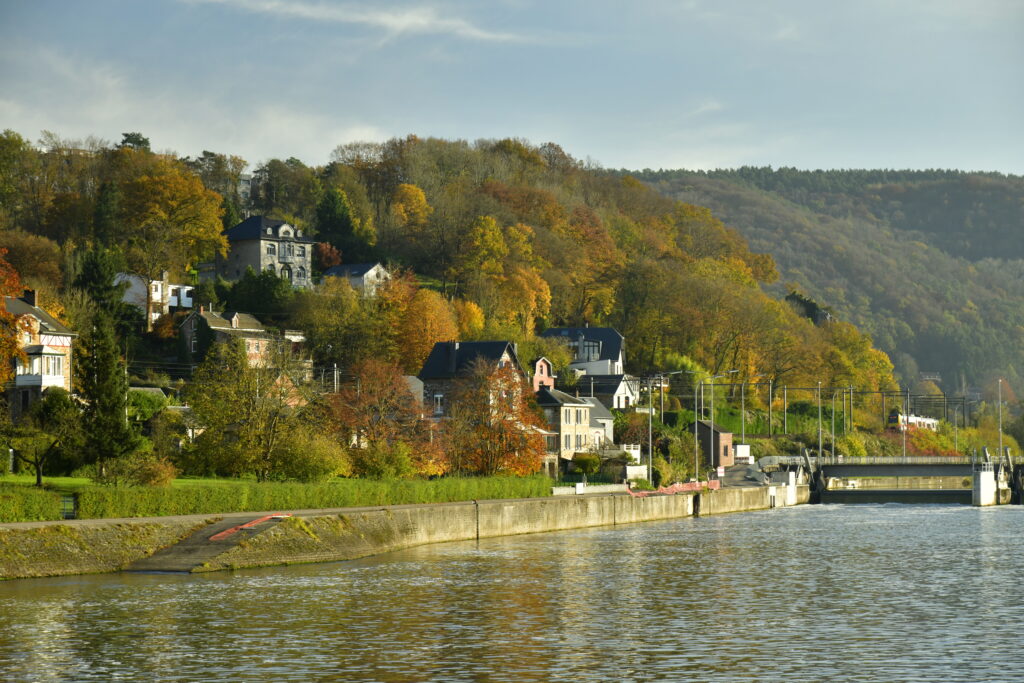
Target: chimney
pixel 202 309
pixel 29 297
pixel 453 352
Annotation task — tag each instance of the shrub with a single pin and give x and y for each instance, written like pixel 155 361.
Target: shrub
pixel 383 460
pixel 314 457
pixel 28 504
pixel 586 463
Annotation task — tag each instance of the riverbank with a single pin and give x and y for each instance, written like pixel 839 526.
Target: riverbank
pixel 61 548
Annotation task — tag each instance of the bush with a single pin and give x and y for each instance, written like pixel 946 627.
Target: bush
pixel 383 461
pixel 28 504
pixel 314 457
pixel 586 463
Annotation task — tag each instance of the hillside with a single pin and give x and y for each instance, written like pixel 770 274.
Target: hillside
pixel 504 238
pixel 930 263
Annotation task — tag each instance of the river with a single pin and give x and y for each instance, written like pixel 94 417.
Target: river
pixel 813 593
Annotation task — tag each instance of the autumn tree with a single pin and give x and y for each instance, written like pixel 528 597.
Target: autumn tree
pixel 175 221
pixel 426 320
pixel 376 411
pixel 10 346
pixel 493 428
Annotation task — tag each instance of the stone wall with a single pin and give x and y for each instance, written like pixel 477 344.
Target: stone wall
pixel 321 536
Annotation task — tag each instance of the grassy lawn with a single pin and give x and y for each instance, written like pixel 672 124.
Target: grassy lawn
pixel 76 484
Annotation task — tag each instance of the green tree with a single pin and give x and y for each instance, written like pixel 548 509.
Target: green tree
pixel 250 416
pixel 135 141
pixel 103 379
pixel 337 224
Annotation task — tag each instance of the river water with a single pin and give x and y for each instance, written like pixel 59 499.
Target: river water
pixel 814 593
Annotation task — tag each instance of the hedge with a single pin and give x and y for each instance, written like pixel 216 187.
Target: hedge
pixel 101 501
pixel 28 504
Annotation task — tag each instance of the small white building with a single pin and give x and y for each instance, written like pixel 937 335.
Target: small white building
pixel 365 278
pixel 165 296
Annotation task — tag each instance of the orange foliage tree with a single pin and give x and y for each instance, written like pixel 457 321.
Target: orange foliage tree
pixel 493 427
pixel 10 349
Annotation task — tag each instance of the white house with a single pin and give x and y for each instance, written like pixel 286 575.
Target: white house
pixel 365 278
pixel 165 295
pixel 47 346
pixel 596 350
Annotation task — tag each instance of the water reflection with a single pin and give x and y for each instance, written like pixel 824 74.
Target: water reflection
pixel 888 592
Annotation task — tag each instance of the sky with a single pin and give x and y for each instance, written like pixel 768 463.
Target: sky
pixel 625 84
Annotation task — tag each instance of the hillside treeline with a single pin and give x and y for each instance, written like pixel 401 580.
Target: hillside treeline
pixel 930 263
pixel 509 237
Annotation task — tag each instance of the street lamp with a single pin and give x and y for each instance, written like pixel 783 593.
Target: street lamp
pixel 711 431
pixel 743 408
pixel 956 435
pixel 1000 389
pixel 696 447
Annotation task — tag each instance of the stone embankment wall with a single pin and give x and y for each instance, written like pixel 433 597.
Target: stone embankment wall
pixel 352 533
pixel 93 547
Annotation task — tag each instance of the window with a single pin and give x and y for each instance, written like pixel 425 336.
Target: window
pixel 568 416
pixel 579 416
pixel 300 274
pixel 438 404
pixel 579 441
pixel 195 344
pixel 568 441
pixel 271 250
pixel 302 251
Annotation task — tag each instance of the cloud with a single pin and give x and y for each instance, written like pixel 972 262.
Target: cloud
pixel 396 22
pixel 78 98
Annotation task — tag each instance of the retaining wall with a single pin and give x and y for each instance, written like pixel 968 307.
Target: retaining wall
pixel 318 536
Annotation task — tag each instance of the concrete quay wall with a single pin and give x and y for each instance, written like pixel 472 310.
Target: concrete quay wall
pixel 323 536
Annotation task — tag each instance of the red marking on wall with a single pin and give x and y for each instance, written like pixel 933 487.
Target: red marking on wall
pixel 688 487
pixel 227 532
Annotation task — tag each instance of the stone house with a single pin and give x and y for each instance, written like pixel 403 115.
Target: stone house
pixel 266 244
pixel 47 344
pixel 569 420
pixel 602 424
pixel 202 328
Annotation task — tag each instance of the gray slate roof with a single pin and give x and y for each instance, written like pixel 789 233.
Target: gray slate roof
pixel 448 360
pixel 552 397
pixel 597 409
pixel 255 228
pixel 350 269
pixel 608 337
pixel 47 323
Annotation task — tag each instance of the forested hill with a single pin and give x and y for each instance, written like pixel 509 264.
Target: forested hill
pixel 931 263
pixel 494 239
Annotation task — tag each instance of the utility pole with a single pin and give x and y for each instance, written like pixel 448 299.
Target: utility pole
pixel 819 420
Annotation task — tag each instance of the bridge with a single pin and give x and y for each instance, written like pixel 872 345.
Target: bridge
pixel 834 478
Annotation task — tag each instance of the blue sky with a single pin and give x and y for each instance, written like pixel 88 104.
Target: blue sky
pixel 648 83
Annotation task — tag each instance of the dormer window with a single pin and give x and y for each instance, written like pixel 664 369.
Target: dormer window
pixel 285 232
pixel 270 231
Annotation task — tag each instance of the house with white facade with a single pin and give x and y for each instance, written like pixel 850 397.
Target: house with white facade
pixel 365 278
pixel 596 350
pixel 47 344
pixel 163 297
